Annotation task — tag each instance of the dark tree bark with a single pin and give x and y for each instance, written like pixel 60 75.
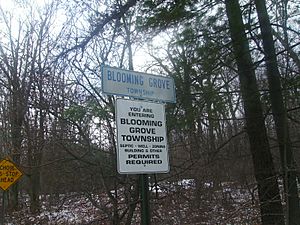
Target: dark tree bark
pixel 17 117
pixel 268 191
pixel 279 115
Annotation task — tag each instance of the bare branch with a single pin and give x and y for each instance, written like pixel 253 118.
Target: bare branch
pixel 115 15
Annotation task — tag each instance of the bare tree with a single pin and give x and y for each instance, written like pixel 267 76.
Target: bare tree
pixel 27 53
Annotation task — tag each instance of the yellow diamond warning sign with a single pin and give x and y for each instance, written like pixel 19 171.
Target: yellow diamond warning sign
pixel 9 174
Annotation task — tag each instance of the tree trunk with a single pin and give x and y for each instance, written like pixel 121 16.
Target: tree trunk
pixel 17 115
pixel 35 191
pixel 279 115
pixel 268 191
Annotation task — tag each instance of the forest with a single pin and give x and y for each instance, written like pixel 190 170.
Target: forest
pixel 233 134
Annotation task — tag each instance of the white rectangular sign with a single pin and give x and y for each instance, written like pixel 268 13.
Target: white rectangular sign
pixel 141 137
pixel 138 85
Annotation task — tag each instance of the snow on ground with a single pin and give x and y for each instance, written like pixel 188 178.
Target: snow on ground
pixel 172 203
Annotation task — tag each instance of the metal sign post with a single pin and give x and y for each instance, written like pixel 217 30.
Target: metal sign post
pixel 145 209
pixel 141 127
pixel 142 144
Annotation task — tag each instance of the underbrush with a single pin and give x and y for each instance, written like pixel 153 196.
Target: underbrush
pixel 172 203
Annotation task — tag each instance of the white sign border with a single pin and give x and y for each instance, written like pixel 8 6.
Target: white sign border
pixel 118 150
